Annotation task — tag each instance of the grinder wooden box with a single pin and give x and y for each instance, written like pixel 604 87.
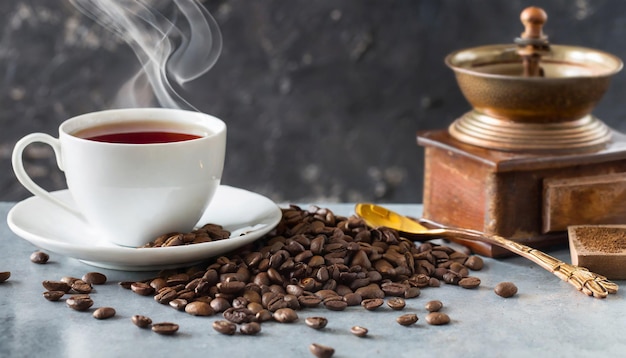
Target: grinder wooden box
pixel 528 198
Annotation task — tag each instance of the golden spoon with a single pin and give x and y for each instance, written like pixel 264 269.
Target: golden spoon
pixel 584 280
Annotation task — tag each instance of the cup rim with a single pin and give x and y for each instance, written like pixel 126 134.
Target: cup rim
pixel 210 125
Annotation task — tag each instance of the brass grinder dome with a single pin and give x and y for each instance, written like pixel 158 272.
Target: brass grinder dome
pixel 532 95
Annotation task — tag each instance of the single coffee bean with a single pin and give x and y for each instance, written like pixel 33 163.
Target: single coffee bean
pixel 178 304
pixel 505 289
pixel 370 291
pixel 142 288
pixel 4 276
pixel 95 278
pixel 56 286
pixel 39 257
pixel 393 289
pixel 285 315
pixel 437 318
pixel 239 315
pixel 220 304
pixel 407 319
pixel 264 316
pixel 412 292
pixel 353 299
pixel 309 301
pixel 104 313
pixel 79 302
pixel 359 331
pixel 433 306
pixel 474 263
pixel 434 282
pixel 371 304
pixel 81 286
pixel 164 296
pixel 165 328
pixel 225 327
pixel 199 308
pixel 396 303
pixel 316 322
pixel 141 321
pixel 321 351
pixel 231 286
pixel 53 295
pixel 336 304
pixel 469 282
pixel 250 328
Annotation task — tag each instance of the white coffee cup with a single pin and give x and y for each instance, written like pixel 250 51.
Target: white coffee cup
pixel 132 193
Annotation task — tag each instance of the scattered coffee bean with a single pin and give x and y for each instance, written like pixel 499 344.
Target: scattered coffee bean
pixel 104 313
pixel 309 301
pixel 53 295
pixel 437 318
pixel 250 328
pixel 359 331
pixel 199 308
pixel 225 327
pixel 336 304
pixel 239 315
pixel 353 299
pixel 220 304
pixel 95 278
pixel 39 257
pixel 396 303
pixel 407 319
pixel 142 288
pixel 56 286
pixel 79 302
pixel 316 322
pixel 4 276
pixel 474 263
pixel 505 289
pixel 285 315
pixel 434 305
pixel 178 304
pixel 141 321
pixel 321 351
pixel 412 292
pixel 165 328
pixel 69 279
pixel 371 304
pixel 469 282
pixel 81 286
pixel 264 316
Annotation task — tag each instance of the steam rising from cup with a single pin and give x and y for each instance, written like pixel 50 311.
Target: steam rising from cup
pixel 172 51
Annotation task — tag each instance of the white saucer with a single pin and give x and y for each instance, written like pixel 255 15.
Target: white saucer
pixel 247 215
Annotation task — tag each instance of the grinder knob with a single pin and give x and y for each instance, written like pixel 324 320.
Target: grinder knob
pixel 533 19
pixel 532 44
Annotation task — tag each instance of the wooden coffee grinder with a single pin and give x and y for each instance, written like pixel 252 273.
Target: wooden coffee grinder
pixel 529 159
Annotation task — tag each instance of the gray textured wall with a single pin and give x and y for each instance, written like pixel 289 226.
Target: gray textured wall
pixel 322 98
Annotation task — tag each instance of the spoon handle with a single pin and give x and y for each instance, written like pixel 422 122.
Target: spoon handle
pixel 584 280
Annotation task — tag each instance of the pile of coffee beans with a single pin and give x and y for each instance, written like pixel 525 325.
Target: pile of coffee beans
pixel 314 257
pixel 207 233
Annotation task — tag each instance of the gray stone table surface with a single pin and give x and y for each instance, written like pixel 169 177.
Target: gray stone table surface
pixel 547 318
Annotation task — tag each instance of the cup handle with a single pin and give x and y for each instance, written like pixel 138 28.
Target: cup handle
pixel 26 180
